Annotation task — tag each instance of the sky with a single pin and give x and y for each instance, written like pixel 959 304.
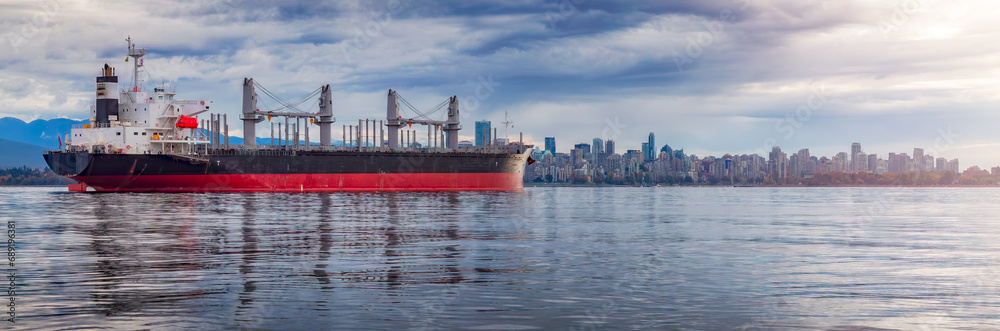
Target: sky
pixel 711 77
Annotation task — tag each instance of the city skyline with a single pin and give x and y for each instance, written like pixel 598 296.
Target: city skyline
pixel 850 163
pixel 587 165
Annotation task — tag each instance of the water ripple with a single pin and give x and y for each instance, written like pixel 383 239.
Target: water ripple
pixel 544 258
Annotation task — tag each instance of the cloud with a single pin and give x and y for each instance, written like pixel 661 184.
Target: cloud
pixel 713 77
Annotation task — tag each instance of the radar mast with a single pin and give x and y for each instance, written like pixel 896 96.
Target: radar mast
pixel 136 54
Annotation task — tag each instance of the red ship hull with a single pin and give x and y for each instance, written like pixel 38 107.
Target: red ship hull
pixel 306 182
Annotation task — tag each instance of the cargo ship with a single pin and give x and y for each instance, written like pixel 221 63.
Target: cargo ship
pixel 151 141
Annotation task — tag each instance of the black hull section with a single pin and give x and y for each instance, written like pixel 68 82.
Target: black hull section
pixel 87 164
pixel 68 164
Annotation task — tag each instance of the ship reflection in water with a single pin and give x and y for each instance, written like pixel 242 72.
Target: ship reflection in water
pixel 543 258
pixel 268 260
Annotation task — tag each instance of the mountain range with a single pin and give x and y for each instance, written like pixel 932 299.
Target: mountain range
pixel 18 154
pixel 42 133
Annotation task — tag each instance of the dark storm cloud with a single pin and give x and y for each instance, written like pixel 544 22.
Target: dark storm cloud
pixel 250 11
pixel 488 8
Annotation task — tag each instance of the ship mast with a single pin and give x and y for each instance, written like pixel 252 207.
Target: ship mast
pixel 136 54
pixel 506 124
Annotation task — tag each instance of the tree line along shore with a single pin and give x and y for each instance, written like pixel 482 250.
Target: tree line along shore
pixel 24 176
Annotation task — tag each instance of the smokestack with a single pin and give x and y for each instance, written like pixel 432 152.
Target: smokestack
pixel 107 95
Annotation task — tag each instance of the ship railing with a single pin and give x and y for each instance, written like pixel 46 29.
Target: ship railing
pixel 268 149
pixel 251 152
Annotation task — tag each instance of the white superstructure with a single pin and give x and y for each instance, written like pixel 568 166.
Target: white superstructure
pixel 133 120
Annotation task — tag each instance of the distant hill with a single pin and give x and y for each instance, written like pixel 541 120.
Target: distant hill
pixel 16 154
pixel 38 132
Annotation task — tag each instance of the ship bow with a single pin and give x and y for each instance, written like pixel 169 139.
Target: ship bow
pixel 67 164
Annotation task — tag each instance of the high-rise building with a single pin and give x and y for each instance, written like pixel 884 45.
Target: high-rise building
pixel 793 166
pixel 598 146
pixel 597 151
pixel 650 152
pixel 666 148
pixel 576 155
pixel 953 165
pixel 941 164
pixel 841 162
pixel 633 154
pixel 646 150
pixel 855 150
pixel 609 147
pixel 583 147
pixel 860 162
pixel 483 133
pixel 918 160
pixel 872 163
pixel 881 166
pixel 893 167
pixel 550 145
pixel 803 163
pixel 778 162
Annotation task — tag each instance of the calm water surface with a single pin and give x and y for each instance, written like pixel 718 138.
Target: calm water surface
pixel 541 259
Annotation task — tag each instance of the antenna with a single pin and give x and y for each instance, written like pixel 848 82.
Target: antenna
pixel 506 123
